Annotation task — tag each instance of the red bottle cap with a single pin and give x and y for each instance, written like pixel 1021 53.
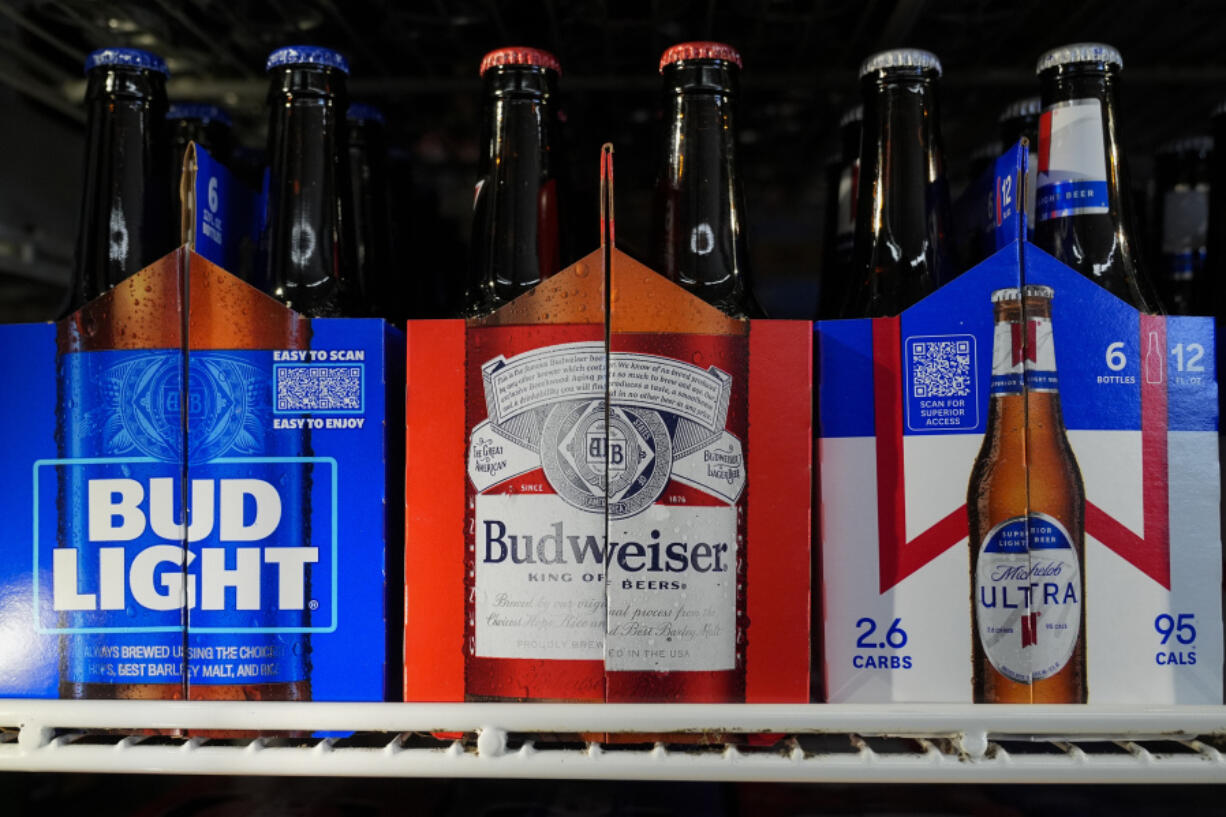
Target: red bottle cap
pixel 518 55
pixel 700 51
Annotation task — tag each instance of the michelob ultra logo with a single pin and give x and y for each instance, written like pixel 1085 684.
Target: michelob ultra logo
pixel 1028 597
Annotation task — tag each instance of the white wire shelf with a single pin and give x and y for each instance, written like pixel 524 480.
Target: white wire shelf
pixel 817 743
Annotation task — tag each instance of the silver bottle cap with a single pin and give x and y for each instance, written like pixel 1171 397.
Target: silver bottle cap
pixel 1079 52
pixel 900 58
pixel 1016 294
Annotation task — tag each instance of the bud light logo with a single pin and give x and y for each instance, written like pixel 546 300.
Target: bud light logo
pixel 256 551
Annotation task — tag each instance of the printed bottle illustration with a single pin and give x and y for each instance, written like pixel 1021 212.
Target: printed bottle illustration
pixel 123 227
pixel 1026 504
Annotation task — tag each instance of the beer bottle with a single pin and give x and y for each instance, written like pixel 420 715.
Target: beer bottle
pixel 124 226
pixel 1181 176
pixel 1084 207
pixel 1026 504
pixel 1021 119
pixel 841 177
pixel 700 206
pixel 126 220
pixel 1215 260
pixel 517 237
pixel 207 126
pixel 304 258
pixel 983 157
pixel 900 253
pixel 371 289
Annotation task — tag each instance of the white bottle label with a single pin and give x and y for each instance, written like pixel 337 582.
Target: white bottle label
pixel 1028 597
pixel 1072 160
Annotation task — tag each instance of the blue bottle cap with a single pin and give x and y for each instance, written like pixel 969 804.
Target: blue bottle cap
pixel 130 57
pixel 361 112
pixel 306 55
pixel 196 110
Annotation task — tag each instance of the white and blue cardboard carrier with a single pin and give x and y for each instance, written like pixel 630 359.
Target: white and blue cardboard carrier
pixel 904 406
pixel 195 485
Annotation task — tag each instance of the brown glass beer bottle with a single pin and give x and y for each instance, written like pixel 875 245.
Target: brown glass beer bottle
pixel 1026 504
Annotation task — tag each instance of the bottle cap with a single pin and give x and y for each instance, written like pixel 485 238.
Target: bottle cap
pixel 1187 144
pixel 361 112
pixel 307 55
pixel 520 55
pixel 1079 52
pixel 1030 106
pixel 700 50
pixel 855 114
pixel 201 112
pixel 900 58
pixel 130 57
pixel 1016 294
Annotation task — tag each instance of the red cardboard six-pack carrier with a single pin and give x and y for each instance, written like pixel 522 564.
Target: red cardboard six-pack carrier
pixel 608 496
pixel 1019 491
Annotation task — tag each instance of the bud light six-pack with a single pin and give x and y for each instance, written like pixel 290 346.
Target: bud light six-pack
pixel 196 475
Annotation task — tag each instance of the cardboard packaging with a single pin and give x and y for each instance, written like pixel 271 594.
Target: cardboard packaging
pixel 922 605
pixel 620 511
pixel 195 488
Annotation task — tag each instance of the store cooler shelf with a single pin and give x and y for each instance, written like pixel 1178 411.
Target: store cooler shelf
pixel 823 743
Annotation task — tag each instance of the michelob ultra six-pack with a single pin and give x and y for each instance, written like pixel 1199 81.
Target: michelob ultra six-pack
pixel 1019 491
pixel 195 487
pixel 608 488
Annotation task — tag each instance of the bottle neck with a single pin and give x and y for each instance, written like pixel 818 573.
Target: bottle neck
pixel 1023 354
pixel 701 242
pixel 1084 209
pixel 370 231
pixel 849 142
pixel 903 202
pixel 517 236
pixel 305 254
pixel 1015 128
pixel 125 220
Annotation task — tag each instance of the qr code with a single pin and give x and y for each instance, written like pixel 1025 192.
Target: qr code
pixel 319 388
pixel 940 368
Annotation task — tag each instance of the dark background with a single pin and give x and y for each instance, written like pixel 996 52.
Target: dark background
pixel 418 62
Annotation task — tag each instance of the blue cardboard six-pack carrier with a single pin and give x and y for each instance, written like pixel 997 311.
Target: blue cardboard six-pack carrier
pixel 1019 489
pixel 195 485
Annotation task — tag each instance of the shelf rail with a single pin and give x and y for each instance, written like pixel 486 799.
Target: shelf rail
pixel 903 743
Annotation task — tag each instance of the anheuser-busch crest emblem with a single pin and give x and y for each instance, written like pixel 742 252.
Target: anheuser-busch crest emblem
pixel 547 409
